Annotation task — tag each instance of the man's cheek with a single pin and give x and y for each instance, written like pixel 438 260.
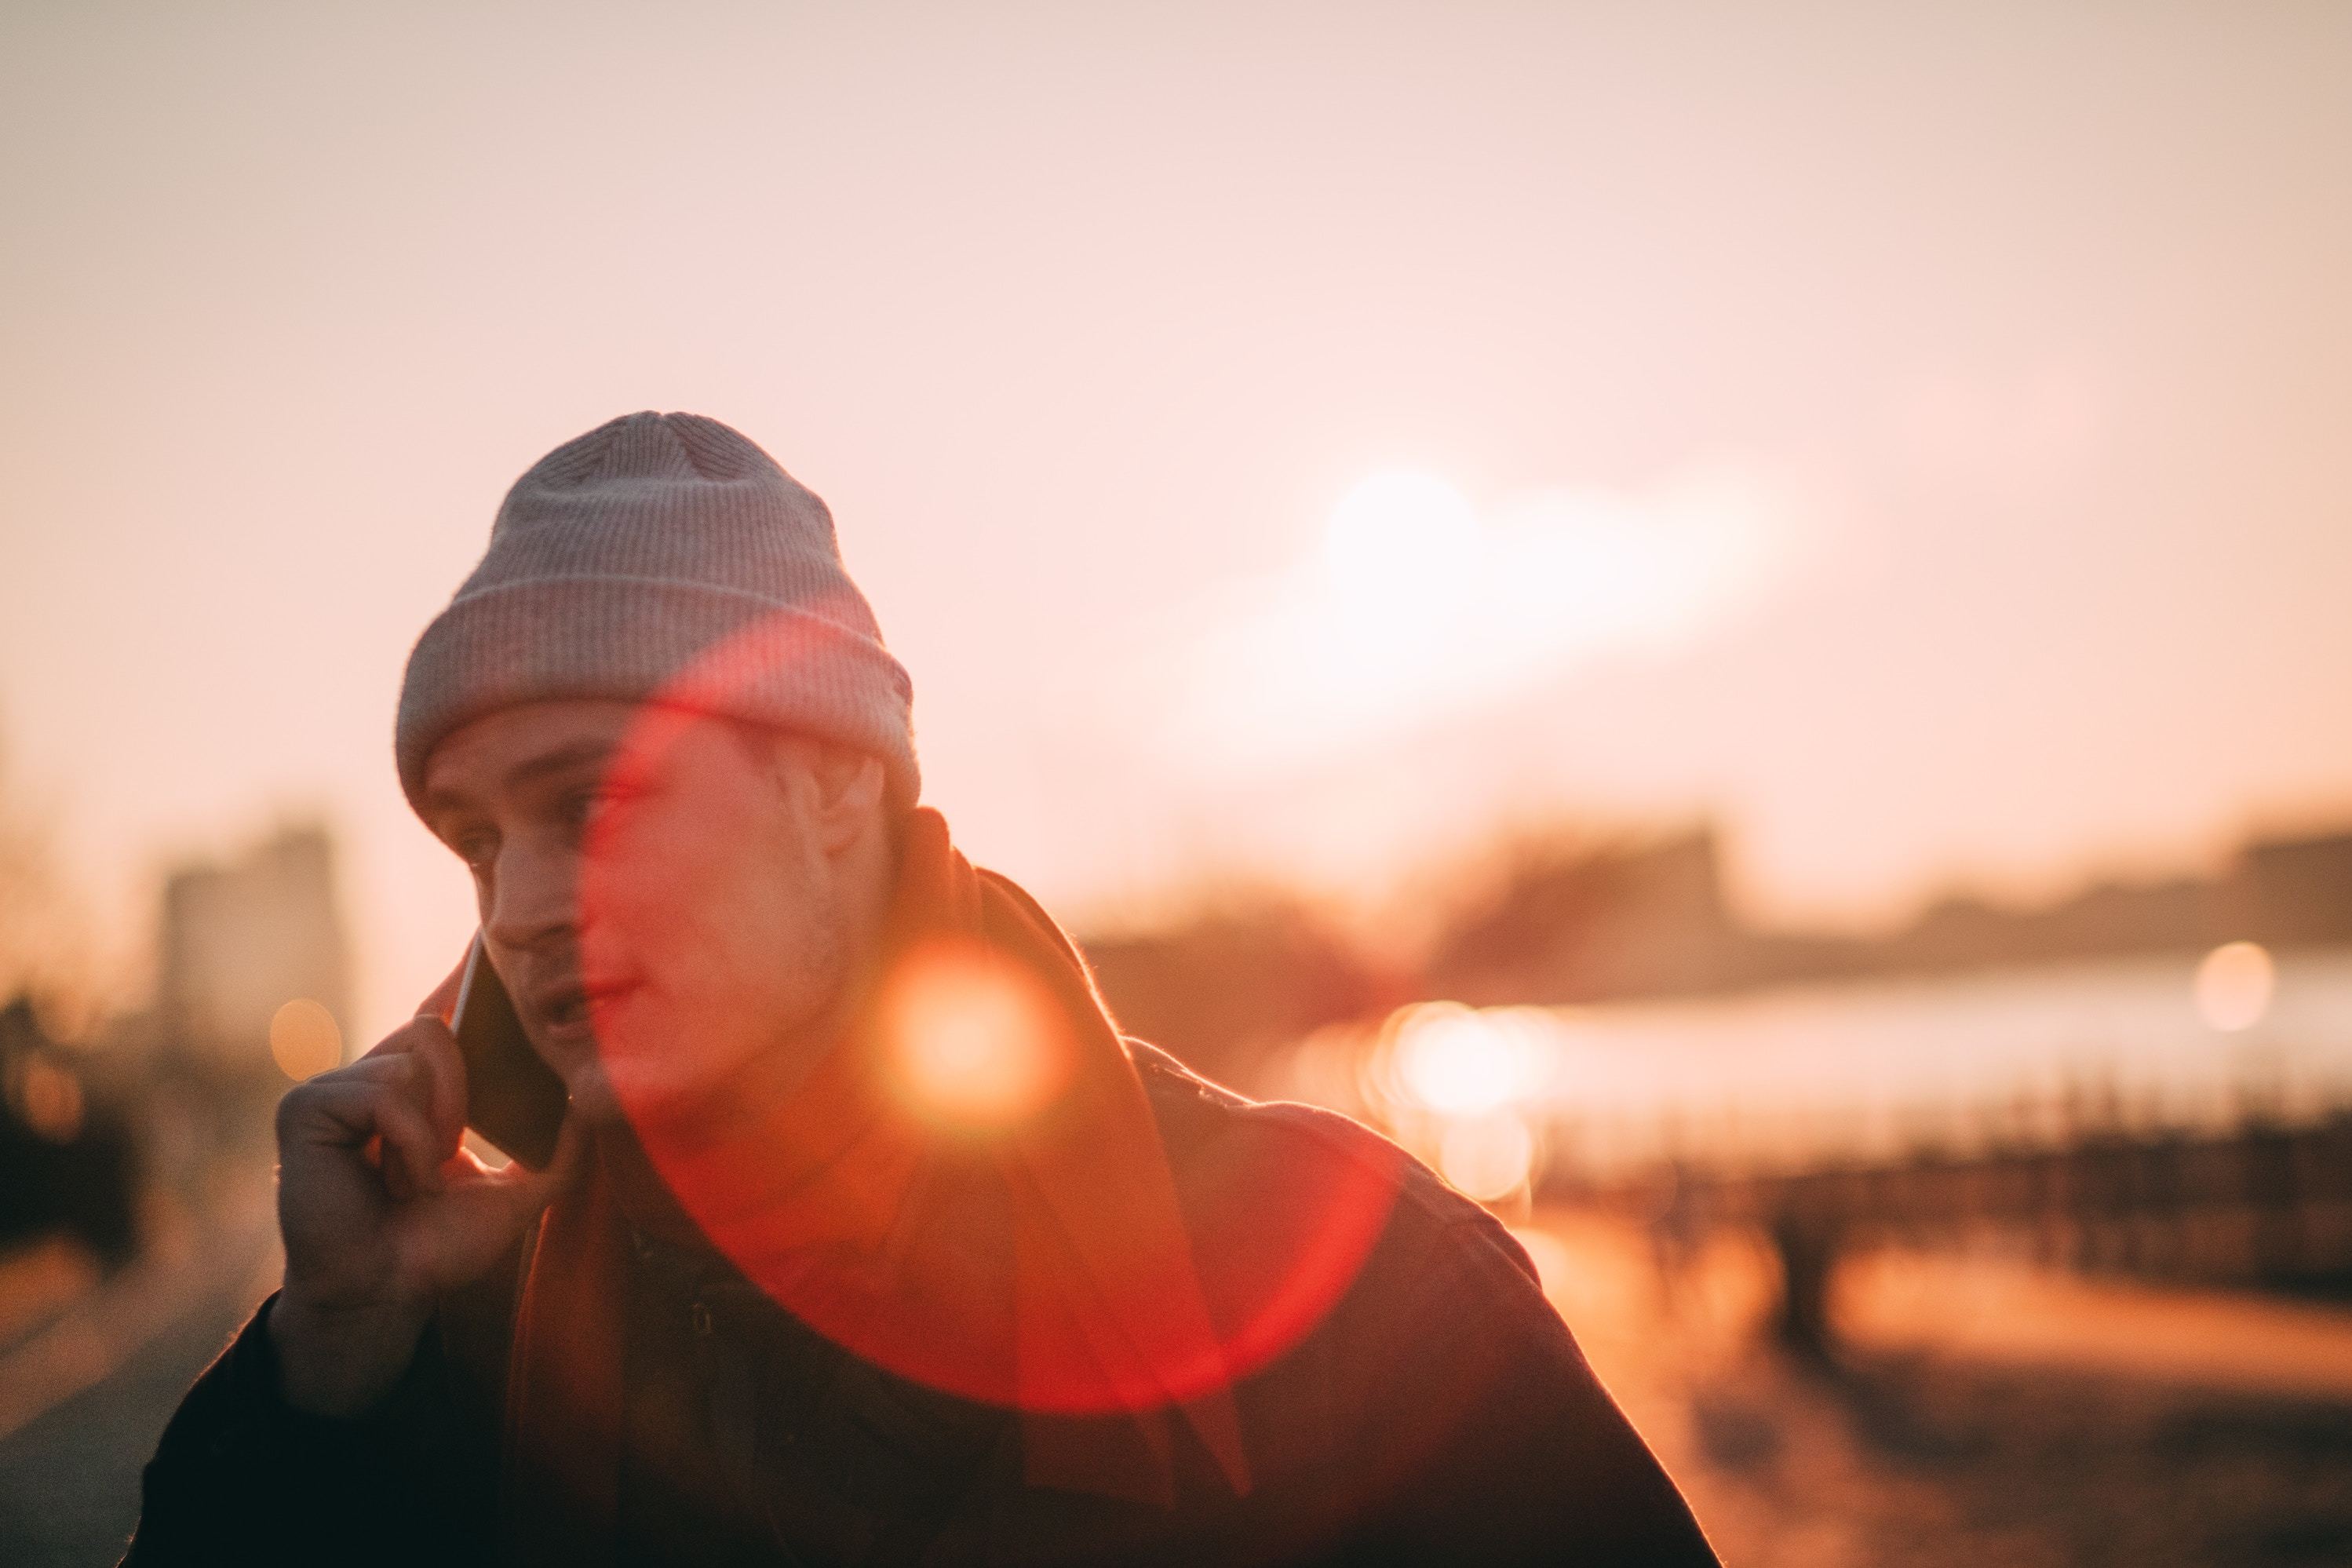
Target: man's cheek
pixel 631 903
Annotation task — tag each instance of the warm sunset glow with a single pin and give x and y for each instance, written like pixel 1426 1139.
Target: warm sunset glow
pixel 973 1041
pixel 1141 478
pixel 1711 637
pixel 304 1039
pixel 2235 985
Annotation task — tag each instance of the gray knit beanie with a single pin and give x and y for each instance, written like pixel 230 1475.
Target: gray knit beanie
pixel 623 556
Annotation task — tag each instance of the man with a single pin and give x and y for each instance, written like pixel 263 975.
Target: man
pixel 867 1238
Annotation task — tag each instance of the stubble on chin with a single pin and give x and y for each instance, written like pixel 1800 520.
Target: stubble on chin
pixel 593 1103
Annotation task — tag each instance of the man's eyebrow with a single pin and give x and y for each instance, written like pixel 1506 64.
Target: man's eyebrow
pixel 562 760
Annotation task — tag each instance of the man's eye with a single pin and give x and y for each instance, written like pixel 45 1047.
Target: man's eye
pixel 586 806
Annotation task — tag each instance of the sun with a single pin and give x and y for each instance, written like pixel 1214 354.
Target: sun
pixel 1400 554
pixel 1417 604
pixel 1393 532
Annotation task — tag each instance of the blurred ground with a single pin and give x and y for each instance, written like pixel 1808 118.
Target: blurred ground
pixel 1959 1427
pixel 88 1376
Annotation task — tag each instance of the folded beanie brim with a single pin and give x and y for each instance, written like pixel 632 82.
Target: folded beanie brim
pixel 628 638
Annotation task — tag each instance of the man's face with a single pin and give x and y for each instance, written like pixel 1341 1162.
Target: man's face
pixel 662 924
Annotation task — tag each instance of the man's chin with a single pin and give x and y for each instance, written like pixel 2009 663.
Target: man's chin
pixel 593 1100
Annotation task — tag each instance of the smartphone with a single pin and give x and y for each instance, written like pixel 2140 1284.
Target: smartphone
pixel 512 1098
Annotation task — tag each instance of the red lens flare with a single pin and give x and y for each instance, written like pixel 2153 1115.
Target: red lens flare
pixel 969 1185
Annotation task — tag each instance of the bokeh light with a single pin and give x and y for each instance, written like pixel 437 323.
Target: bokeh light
pixel 50 1098
pixel 304 1039
pixel 1488 1158
pixel 1459 1062
pixel 2235 985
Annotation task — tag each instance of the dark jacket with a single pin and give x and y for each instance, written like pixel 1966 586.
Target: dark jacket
pixel 1439 1412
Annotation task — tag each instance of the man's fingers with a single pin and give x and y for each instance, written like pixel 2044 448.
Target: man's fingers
pixel 349 1111
pixel 437 1048
pixel 409 1074
pixel 427 1041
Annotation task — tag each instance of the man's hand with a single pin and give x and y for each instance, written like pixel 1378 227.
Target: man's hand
pixel 381 1208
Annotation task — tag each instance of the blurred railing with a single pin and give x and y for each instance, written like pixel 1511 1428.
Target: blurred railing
pixel 2264 1206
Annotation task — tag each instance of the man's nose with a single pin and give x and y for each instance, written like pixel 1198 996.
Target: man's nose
pixel 534 899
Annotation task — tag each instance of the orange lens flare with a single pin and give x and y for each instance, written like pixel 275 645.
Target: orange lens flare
pixel 971 1042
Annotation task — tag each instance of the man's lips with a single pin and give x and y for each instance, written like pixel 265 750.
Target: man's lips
pixel 571 1005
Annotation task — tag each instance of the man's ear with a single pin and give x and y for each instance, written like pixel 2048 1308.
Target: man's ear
pixel 846 793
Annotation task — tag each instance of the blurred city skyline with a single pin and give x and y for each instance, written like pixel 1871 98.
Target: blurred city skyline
pixel 1283 444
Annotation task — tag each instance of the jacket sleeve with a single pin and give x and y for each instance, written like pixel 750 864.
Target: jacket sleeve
pixel 1506 1446
pixel 240 1476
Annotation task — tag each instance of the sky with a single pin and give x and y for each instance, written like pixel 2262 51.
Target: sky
pixel 1283 442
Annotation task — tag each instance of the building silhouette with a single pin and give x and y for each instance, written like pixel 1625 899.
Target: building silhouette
pixel 1651 919
pixel 241 940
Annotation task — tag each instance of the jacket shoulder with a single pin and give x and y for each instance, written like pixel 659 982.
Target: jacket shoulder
pixel 1438 1368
